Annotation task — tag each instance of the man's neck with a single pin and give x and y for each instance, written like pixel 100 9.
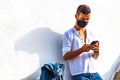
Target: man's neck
pixel 79 28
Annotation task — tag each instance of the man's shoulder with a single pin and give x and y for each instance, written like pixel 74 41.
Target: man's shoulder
pixel 71 30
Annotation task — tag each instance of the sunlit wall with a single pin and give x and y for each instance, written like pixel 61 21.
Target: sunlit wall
pixel 31 35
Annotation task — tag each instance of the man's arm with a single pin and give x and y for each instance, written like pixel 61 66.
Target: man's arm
pixel 73 54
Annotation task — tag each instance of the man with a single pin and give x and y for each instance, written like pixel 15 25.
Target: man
pixel 77 48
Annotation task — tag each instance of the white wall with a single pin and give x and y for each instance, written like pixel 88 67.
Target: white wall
pixel 31 35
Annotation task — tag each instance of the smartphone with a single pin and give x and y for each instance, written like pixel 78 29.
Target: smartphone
pixel 93 42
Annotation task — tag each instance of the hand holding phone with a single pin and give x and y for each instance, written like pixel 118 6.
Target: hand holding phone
pixel 95 47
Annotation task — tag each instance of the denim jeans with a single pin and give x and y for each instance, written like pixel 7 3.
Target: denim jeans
pixel 87 76
pixel 52 71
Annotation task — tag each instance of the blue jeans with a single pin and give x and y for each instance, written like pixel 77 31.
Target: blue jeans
pixel 87 76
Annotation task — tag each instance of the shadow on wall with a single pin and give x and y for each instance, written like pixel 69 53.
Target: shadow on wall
pixel 109 74
pixel 46 43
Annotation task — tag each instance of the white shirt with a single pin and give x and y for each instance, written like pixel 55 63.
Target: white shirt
pixel 84 62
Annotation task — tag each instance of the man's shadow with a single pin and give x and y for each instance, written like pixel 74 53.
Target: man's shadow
pixel 46 43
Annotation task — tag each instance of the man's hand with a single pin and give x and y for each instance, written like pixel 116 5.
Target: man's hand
pixel 95 55
pixel 95 48
pixel 86 47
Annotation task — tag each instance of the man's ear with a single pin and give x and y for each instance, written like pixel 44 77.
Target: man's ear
pixel 76 16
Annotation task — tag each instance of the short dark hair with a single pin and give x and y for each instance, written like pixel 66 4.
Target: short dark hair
pixel 84 9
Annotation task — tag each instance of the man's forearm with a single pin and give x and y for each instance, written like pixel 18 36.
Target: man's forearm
pixel 72 54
